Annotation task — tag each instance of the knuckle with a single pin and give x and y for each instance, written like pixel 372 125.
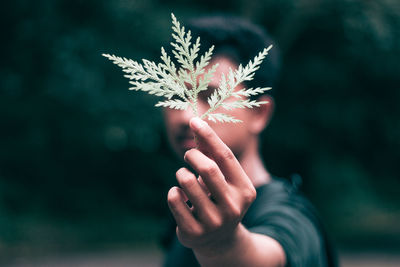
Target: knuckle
pixel 207 133
pixel 233 212
pixel 211 168
pixel 226 154
pixel 215 222
pixel 232 209
pixel 180 172
pixel 185 179
pixel 249 195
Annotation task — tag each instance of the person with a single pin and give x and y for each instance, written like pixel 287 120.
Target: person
pixel 228 209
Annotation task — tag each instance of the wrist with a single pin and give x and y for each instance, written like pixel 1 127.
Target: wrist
pixel 224 248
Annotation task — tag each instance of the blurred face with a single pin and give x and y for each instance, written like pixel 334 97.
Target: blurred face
pixel 234 135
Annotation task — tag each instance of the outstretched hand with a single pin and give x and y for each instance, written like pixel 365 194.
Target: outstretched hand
pixel 219 196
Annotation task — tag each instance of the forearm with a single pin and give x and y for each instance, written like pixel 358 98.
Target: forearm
pixel 244 249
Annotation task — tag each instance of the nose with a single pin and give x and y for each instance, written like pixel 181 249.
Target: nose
pixel 185 115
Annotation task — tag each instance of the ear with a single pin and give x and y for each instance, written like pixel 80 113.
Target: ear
pixel 262 115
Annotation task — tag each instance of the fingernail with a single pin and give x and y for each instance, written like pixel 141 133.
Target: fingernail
pixel 197 123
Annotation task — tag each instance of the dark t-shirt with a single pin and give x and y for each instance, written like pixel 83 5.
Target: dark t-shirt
pixel 283 213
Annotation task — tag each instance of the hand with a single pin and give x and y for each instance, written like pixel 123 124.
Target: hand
pixel 220 196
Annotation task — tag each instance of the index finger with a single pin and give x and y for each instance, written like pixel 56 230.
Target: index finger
pixel 210 144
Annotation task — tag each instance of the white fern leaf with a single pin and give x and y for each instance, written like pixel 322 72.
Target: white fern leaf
pixel 221 117
pixel 250 92
pixel 231 80
pixel 247 103
pixel 213 99
pixel 168 64
pixel 189 77
pixel 205 80
pixel 183 42
pixel 193 53
pixel 247 73
pixel 174 104
pixel 204 61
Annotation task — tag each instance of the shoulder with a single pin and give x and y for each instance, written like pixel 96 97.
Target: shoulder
pixel 279 195
pixel 282 212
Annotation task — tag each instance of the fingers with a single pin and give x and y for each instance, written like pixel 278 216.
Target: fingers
pixel 231 201
pixel 203 207
pixel 180 210
pixel 210 173
pixel 212 146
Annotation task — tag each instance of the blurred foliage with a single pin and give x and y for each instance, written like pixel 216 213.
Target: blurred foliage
pixel 85 161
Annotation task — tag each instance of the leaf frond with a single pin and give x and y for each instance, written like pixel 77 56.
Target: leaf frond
pixel 190 76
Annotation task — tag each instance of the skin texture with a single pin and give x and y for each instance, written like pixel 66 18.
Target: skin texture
pixel 229 168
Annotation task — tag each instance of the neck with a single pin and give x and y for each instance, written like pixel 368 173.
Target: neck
pixel 252 164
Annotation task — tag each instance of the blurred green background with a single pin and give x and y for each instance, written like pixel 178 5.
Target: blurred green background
pixel 84 163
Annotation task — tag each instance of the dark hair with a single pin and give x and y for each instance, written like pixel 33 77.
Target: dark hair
pixel 239 40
